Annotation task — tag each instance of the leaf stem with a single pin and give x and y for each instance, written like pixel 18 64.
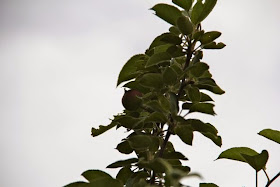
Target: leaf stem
pixel 256 178
pixel 266 175
pixel 273 179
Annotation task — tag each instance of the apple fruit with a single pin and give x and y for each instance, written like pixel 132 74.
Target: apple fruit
pixel 131 99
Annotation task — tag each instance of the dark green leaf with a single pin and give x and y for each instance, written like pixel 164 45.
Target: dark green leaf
pixel 92 175
pixel 213 45
pixel 152 80
pixel 198 69
pixel 235 153
pixel 194 94
pixel 271 134
pixel 207 108
pixel 129 70
pixel 78 184
pixel 198 34
pixel 175 51
pixel 135 178
pixel 258 162
pixel 185 133
pixel 135 85
pixel 158 58
pixel 155 105
pixel 129 122
pixel 158 41
pixel 105 182
pixel 202 10
pixel 167 12
pixel 174 30
pixel 207 185
pixel 157 117
pixel 144 142
pixel 124 174
pixel 174 105
pixel 174 155
pixel 185 4
pixel 124 147
pixel 171 39
pixel 210 85
pixel 209 37
pixel 205 97
pixel 169 76
pixel 186 105
pixel 184 25
pixel 215 138
pixel 102 129
pixel 122 163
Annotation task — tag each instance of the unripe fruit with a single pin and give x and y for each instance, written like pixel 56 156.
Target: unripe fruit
pixel 131 100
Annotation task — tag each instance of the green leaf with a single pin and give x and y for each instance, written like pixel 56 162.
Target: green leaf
pixel 144 142
pixel 235 153
pixel 184 25
pixel 210 85
pixel 129 122
pixel 194 94
pixel 174 30
pixel 198 69
pixel 209 37
pixel 167 12
pixel 157 117
pixel 258 162
pixel 185 133
pixel 174 155
pixel 202 10
pixel 106 182
pixel 152 80
pixel 158 41
pixel 174 105
pixel 124 174
pixel 169 76
pixel 78 184
pixel 124 147
pixel 92 175
pixel 158 58
pixel 205 97
pixel 171 39
pixel 129 70
pixel 185 4
pixel 102 129
pixel 206 108
pixel 135 178
pixel 213 45
pixel 271 134
pixel 122 163
pixel 207 185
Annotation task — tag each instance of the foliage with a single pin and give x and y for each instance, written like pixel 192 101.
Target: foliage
pixel 173 82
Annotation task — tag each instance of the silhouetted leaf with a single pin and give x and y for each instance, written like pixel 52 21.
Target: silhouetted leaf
pixel 129 70
pixel 129 122
pixel 258 162
pixel 167 12
pixel 186 4
pixel 271 134
pixel 174 30
pixel 235 153
pixel 122 163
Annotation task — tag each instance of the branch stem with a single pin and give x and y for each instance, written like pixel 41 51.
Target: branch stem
pixel 273 179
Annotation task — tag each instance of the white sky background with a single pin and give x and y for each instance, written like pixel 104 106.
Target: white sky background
pixel 59 63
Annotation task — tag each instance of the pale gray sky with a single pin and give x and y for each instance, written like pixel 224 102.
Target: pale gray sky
pixel 59 62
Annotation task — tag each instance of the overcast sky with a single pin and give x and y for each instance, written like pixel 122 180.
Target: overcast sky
pixel 59 63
